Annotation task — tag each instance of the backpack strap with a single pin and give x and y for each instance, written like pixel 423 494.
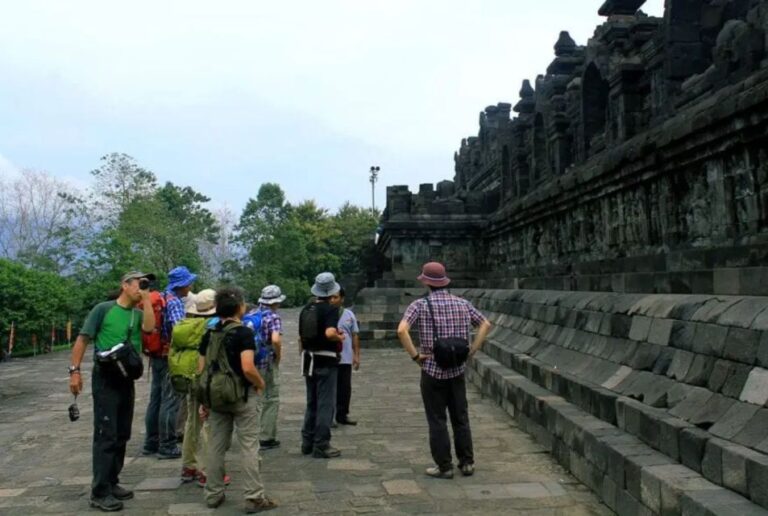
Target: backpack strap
pixel 432 316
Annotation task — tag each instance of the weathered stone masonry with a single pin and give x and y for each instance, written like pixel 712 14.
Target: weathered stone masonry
pixel 615 230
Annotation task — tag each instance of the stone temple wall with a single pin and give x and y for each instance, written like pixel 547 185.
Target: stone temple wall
pixel 637 163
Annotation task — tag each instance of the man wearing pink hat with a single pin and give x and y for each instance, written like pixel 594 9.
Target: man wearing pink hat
pixel 444 322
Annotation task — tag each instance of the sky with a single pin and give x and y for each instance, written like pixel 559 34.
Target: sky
pixel 224 96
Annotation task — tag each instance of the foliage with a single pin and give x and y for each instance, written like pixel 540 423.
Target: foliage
pixel 62 251
pixel 32 299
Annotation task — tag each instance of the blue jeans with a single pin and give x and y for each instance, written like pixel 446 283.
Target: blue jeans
pixel 162 408
pixel 321 402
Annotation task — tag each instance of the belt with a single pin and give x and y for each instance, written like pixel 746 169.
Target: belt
pixel 312 354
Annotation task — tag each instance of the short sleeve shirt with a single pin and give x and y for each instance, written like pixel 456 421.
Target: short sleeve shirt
pixel 453 317
pixel 239 340
pixel 270 323
pixel 107 325
pixel 174 312
pixel 348 325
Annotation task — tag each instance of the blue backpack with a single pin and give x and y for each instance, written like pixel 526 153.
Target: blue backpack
pixel 253 321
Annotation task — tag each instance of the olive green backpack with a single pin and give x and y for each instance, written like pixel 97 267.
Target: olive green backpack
pixel 183 357
pixel 219 388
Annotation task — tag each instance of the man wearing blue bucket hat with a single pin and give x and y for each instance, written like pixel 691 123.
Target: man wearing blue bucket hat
pixel 164 402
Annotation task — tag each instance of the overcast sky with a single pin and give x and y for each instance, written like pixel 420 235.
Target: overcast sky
pixel 223 96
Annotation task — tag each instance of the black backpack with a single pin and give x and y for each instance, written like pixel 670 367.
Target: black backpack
pixel 309 322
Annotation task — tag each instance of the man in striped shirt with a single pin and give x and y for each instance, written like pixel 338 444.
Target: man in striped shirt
pixel 443 389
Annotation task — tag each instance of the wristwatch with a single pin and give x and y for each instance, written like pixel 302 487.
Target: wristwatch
pixel 73 369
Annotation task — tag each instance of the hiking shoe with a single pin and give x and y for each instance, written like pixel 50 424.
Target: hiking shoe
pixel 347 421
pixel 306 449
pixel 121 493
pixel 213 504
pixel 202 479
pixel 436 472
pixel 174 453
pixel 259 505
pixel 269 444
pixel 107 503
pixel 148 452
pixel 188 474
pixel 326 453
pixel 467 469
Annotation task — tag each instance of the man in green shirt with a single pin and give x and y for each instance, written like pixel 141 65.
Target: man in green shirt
pixel 108 324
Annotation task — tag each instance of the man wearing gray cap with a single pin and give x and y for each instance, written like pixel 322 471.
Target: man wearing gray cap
pixel 108 324
pixel 321 344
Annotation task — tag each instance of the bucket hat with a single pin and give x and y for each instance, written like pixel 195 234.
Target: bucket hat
pixel 325 285
pixel 433 274
pixel 180 277
pixel 205 303
pixel 137 275
pixel 271 294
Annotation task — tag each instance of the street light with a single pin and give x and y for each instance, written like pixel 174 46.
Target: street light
pixel 374 177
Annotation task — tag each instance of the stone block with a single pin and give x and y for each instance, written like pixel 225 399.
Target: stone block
pixel 641 327
pixel 743 313
pixel 757 479
pixel 691 405
pixel 734 460
pixel 709 339
pixel 627 505
pixel 634 464
pixel 700 370
pixel 682 335
pixel 692 445
pixel 712 411
pixel 756 387
pixel 716 501
pixel 664 360
pixel 712 463
pixel 609 493
pixel 620 325
pixel 734 384
pixel 650 490
pixel 721 370
pixel 681 364
pixel 762 350
pixel 741 345
pixel 755 431
pixel 734 420
pixel 660 332
pixel 669 436
pixel 643 357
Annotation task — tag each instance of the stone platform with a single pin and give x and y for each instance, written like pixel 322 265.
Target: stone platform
pixel 45 461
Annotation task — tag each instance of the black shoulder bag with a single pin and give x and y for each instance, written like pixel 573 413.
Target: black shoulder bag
pixel 448 352
pixel 124 361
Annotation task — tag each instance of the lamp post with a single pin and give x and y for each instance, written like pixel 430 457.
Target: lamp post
pixel 374 177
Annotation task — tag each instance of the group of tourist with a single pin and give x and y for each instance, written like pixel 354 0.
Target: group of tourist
pixel 215 363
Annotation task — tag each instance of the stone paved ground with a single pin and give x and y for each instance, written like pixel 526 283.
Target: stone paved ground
pixel 45 461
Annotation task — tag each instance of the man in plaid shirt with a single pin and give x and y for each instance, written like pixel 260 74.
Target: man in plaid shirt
pixel 443 389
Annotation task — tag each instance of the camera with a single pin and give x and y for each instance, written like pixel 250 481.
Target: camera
pixel 74 412
pixel 144 283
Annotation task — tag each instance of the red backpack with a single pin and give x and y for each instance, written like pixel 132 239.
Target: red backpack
pixel 153 343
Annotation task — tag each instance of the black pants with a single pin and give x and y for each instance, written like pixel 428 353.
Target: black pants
pixel 439 395
pixel 343 391
pixel 113 399
pixel 321 397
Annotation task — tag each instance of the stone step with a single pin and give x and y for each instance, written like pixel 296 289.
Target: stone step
pixel 629 476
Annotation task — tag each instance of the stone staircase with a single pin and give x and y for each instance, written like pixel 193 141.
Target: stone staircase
pixel 656 402
pixel 379 311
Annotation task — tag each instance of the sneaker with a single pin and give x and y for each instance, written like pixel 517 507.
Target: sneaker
pixel 188 474
pixel 148 452
pixel 213 504
pixel 328 452
pixel 174 453
pixel 269 444
pixel 467 469
pixel 121 493
pixel 259 505
pixel 347 421
pixel 306 449
pixel 202 479
pixel 107 503
pixel 436 472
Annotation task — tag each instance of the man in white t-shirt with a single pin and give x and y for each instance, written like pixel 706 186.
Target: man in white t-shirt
pixel 350 358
